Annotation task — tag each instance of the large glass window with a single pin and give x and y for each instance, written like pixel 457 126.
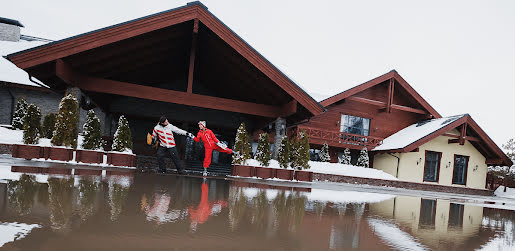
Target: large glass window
pixel 460 169
pixel 432 166
pixel 355 125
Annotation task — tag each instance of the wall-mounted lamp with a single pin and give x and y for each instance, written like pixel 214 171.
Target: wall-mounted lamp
pixel 475 168
pixel 448 165
pixel 419 160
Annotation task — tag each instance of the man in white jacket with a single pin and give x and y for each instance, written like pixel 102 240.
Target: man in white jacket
pixel 164 133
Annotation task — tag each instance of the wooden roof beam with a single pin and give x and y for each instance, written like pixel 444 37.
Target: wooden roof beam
pixel 93 84
pixel 193 50
pixel 383 105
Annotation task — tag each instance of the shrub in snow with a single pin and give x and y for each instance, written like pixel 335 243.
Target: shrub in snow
pixel 263 154
pixel 363 160
pixel 19 113
pixel 241 146
pixel 66 126
pixel 92 132
pixel 283 153
pixel 32 125
pixel 48 127
pixel 300 158
pixel 324 153
pixel 122 137
pixel 346 157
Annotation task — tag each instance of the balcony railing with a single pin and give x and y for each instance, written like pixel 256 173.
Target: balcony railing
pixel 340 138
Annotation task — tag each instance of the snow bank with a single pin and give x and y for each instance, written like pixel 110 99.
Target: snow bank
pixel 415 132
pixel 10 72
pixel 335 168
pixel 14 231
pixel 392 235
pixel 503 241
pixel 347 196
pixel 510 192
pixel 12 137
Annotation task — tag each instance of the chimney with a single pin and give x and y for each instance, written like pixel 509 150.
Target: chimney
pixel 10 29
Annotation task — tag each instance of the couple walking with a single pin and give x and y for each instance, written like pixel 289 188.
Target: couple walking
pixel 163 132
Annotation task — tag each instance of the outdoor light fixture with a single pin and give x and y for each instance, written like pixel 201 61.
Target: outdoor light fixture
pixel 475 168
pixel 448 165
pixel 419 160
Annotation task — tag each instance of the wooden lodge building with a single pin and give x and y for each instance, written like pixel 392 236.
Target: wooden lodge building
pixel 188 65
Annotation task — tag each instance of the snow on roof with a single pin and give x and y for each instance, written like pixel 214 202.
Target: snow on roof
pixel 9 72
pixel 415 132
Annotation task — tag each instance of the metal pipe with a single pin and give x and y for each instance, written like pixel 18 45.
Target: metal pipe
pixel 398 162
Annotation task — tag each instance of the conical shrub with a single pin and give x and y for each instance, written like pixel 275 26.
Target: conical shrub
pixel 48 127
pixel 324 153
pixel 283 153
pixel 241 146
pixel 19 113
pixel 263 154
pixel 92 132
pixel 122 137
pixel 66 126
pixel 363 159
pixel 32 125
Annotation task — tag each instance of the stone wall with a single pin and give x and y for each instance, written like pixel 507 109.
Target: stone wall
pixel 400 184
pixel 9 32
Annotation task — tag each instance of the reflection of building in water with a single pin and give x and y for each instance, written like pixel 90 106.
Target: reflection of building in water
pixel 432 221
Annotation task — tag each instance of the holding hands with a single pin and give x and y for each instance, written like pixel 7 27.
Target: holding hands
pixel 191 135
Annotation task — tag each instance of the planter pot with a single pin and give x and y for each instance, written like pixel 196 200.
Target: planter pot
pixel 243 171
pixel 59 170
pixel 94 172
pixel 88 156
pixel 120 159
pixel 26 169
pixel 284 174
pixel 56 153
pixel 265 173
pixel 27 152
pixel 304 176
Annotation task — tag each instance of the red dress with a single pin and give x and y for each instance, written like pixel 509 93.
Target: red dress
pixel 210 140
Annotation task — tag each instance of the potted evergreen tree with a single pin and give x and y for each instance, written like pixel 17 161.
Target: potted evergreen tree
pixel 241 154
pixel 263 155
pixel 283 157
pixel 301 159
pixel 324 153
pixel 66 130
pixel 363 159
pixel 31 133
pixel 19 113
pixel 121 154
pixel 92 151
pixel 346 158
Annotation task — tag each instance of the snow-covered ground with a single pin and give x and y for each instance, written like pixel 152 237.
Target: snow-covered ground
pixel 335 168
pixel 392 235
pixel 510 192
pixel 11 231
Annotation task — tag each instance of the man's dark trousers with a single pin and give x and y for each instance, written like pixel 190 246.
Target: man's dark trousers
pixel 161 154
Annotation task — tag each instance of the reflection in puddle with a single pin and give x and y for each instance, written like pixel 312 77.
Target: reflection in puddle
pixel 105 209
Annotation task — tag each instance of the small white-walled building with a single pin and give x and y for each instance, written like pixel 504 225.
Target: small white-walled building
pixel 451 151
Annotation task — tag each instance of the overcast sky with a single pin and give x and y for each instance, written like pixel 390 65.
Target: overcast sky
pixel 459 55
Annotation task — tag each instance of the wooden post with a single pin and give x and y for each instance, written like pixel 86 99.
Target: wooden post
pixel 389 101
pixel 192 55
pixel 463 134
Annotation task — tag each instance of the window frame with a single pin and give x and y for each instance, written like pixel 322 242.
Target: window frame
pixel 433 218
pixel 437 168
pixel 466 170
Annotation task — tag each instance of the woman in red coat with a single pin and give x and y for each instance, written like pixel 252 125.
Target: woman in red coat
pixel 210 143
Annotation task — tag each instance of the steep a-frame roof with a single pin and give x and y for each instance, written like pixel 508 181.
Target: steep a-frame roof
pixel 192 11
pixel 381 79
pixel 412 137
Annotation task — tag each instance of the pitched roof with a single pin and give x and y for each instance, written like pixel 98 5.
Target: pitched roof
pixel 9 73
pixel 194 10
pixel 10 21
pixel 392 74
pixel 413 136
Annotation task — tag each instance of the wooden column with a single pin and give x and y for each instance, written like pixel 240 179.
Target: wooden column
pixel 192 55
pixel 463 134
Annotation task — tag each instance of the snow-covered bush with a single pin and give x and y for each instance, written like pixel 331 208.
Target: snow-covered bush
pixel 66 126
pixel 92 132
pixel 48 127
pixel 324 153
pixel 19 113
pixel 241 146
pixel 32 125
pixel 283 153
pixel 363 159
pixel 300 152
pixel 263 154
pixel 346 158
pixel 122 137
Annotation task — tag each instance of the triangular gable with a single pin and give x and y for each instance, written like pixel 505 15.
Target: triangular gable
pixel 194 10
pixel 412 137
pixel 381 79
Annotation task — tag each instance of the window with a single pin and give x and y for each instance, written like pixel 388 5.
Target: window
pixel 427 213
pixel 432 166
pixel 355 125
pixel 459 175
pixel 456 215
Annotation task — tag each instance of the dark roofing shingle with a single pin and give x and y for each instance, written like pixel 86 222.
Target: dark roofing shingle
pixel 10 21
